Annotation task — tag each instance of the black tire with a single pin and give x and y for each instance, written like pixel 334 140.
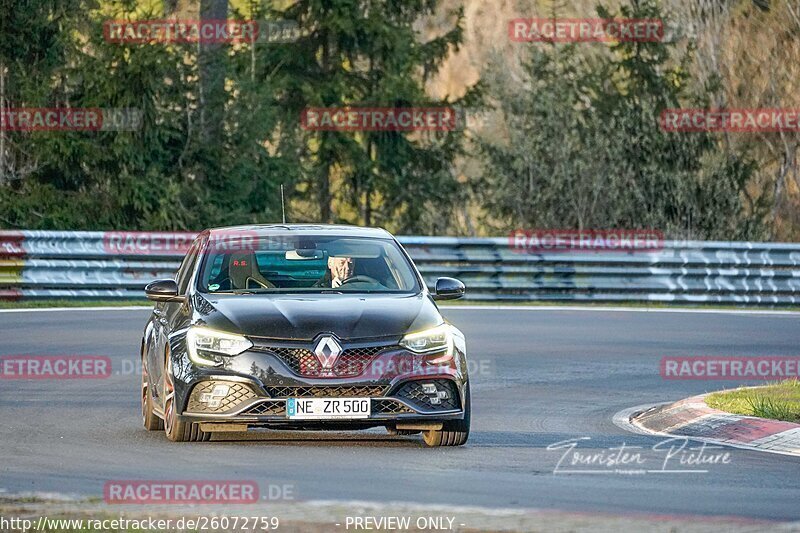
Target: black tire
pixel 453 432
pixel 182 431
pixel 150 420
pixel 175 427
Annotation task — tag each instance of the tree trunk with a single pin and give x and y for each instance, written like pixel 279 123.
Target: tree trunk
pixel 2 130
pixel 324 193
pixel 368 207
pixel 211 61
pixel 324 158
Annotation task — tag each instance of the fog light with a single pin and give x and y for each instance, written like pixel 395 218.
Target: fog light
pixel 435 396
pixel 214 398
pixel 221 390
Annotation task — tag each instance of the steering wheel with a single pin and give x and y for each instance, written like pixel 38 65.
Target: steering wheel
pixel 361 279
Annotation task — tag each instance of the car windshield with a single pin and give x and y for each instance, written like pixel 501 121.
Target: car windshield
pixel 246 264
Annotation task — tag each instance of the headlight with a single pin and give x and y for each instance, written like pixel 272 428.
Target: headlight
pixel 431 340
pixel 204 343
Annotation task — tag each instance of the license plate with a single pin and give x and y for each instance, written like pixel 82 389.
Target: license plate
pixel 327 408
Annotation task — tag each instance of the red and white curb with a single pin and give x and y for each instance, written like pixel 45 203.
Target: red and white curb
pixel 694 419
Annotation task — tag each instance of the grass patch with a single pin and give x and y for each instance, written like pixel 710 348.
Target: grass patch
pixel 777 401
pixel 35 304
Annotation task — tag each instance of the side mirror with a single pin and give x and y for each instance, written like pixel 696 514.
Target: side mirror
pixel 449 289
pixel 163 290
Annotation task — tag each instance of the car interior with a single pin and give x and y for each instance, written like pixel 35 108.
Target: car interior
pixel 302 268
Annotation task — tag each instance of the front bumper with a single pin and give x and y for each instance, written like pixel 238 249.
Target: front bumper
pixel 402 404
pixel 260 380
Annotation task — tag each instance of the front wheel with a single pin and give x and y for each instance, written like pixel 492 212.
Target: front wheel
pixel 453 432
pixel 177 429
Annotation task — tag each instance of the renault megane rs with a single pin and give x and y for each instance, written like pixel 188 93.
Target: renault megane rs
pixel 302 327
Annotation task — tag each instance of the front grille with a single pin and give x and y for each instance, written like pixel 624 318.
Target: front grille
pixel 351 362
pixel 324 391
pixel 237 394
pixel 413 393
pixel 268 407
pixel 300 360
pixel 384 406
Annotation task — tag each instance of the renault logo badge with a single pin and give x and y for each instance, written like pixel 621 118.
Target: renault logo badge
pixel 327 351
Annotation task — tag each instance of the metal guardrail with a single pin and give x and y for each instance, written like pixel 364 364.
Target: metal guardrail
pixel 113 265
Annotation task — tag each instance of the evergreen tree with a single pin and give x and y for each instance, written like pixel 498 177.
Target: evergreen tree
pixel 367 53
pixel 585 148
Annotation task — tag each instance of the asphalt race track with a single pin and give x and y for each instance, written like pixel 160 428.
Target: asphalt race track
pixel 538 377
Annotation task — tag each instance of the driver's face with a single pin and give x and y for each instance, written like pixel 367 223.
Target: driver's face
pixel 341 267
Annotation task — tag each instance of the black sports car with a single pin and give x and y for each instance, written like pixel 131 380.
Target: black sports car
pixel 302 327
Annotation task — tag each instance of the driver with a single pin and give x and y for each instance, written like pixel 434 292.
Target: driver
pixel 341 269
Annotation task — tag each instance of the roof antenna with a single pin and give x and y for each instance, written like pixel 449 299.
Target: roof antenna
pixel 283 205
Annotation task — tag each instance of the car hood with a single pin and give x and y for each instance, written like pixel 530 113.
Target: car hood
pixel 297 316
